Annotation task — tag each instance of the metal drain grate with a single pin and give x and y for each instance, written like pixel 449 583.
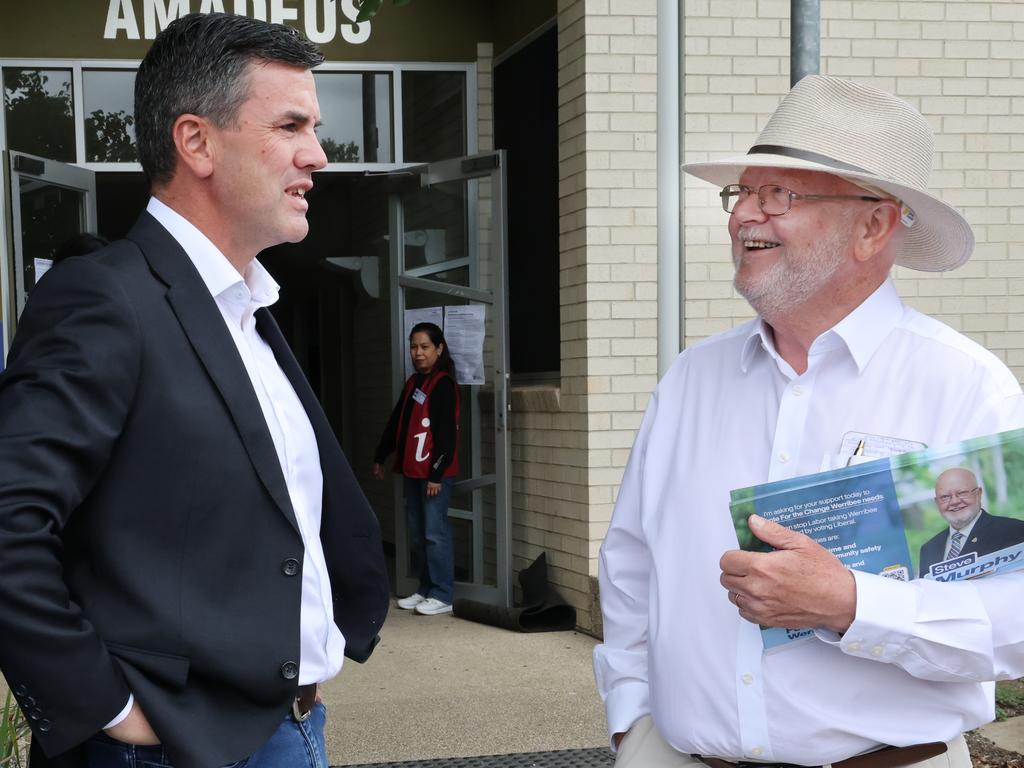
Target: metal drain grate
pixel 567 758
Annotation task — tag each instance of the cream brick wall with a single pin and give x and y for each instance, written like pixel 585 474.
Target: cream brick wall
pixel 571 441
pixel 960 63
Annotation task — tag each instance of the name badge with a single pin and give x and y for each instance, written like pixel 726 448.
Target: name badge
pixel 419 395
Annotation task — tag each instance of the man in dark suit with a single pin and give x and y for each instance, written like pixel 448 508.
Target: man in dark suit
pixel 184 551
pixel 971 528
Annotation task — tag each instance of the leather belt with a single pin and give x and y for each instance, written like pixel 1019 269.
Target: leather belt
pixel 305 700
pixel 886 757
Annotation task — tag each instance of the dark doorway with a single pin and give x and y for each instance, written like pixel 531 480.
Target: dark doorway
pixel 526 124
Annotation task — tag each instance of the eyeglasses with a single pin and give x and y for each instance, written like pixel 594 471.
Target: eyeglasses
pixel 946 498
pixel 775 200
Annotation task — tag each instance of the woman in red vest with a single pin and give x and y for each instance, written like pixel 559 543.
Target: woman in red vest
pixel 422 433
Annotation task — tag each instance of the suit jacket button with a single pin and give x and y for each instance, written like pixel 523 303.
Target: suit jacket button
pixel 289 670
pixel 28 702
pixel 44 725
pixel 21 690
pixel 290 567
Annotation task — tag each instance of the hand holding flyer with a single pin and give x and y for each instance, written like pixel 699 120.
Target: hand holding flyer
pixel 949 513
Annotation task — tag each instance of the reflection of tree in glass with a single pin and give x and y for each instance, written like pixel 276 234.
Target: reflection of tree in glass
pixel 340 153
pixel 38 122
pixel 107 137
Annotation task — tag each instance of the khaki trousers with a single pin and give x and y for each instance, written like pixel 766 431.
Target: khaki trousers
pixel 643 747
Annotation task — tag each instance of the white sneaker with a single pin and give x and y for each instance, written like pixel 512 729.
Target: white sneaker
pixel 410 602
pixel 432 606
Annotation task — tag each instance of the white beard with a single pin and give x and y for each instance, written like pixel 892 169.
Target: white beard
pixel 797 276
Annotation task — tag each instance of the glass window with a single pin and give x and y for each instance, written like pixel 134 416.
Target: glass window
pixel 38 111
pixel 108 96
pixel 355 109
pixel 433 115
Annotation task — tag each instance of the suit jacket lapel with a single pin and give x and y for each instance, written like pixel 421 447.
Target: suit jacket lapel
pixel 203 324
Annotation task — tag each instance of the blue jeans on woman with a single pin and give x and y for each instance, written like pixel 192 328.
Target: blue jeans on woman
pixel 431 537
pixel 293 745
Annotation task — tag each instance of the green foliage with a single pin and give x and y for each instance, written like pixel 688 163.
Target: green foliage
pixel 369 8
pixel 107 138
pixel 13 735
pixel 39 119
pixel 340 153
pixel 1009 699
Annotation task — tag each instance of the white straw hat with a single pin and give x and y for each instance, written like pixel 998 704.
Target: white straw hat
pixel 869 137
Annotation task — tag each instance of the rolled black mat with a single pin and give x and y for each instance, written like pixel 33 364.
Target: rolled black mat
pixel 542 609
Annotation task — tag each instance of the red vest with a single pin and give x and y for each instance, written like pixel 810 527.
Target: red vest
pixel 417 458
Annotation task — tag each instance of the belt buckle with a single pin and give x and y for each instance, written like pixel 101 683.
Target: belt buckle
pixel 300 717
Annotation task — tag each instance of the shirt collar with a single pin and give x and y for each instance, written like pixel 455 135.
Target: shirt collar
pixel 862 331
pixel 213 266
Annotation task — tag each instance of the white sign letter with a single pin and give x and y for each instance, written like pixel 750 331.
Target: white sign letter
pixel 279 14
pixel 212 6
pixel 155 12
pixel 348 33
pixel 121 15
pixel 313 31
pixel 259 9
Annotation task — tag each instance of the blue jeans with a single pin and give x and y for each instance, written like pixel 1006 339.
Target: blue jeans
pixel 293 745
pixel 431 536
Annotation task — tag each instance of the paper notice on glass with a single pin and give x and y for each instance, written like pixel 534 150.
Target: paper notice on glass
pixel 41 267
pixel 464 327
pixel 433 315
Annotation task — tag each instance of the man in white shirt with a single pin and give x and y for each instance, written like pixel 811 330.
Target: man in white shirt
pixel 958 497
pixel 830 197
pixel 184 551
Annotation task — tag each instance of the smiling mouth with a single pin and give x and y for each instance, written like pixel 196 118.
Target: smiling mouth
pixel 759 245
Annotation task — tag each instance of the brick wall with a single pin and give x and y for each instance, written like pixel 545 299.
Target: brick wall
pixel 571 442
pixel 960 63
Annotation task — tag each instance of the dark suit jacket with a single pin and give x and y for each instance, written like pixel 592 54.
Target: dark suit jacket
pixel 990 532
pixel 147 539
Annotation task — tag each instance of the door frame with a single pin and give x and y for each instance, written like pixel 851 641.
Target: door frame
pixel 472 168
pixel 20 165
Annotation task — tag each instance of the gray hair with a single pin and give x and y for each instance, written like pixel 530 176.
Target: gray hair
pixel 199 65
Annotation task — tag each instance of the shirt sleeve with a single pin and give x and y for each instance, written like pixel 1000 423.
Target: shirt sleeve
pixel 620 662
pixel 968 631
pixel 442 426
pixel 386 445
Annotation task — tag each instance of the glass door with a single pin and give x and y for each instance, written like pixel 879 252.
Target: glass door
pixel 51 203
pixel 448 241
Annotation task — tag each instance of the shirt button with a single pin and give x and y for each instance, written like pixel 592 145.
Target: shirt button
pixel 854 646
pixel 289 670
pixel 748 679
pixel 798 390
pixel 290 567
pixel 757 751
pixel 876 651
pixel 784 456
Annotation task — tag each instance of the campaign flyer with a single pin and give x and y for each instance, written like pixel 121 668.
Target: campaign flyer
pixel 947 513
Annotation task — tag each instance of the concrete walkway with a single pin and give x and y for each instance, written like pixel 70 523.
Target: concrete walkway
pixel 437 686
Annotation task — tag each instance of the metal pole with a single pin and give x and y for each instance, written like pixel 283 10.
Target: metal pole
pixel 669 182
pixel 804 39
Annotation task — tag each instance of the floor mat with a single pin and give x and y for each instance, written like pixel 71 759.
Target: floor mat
pixel 566 758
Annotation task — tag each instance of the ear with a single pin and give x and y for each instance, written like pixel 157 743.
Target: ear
pixel 875 229
pixel 192 142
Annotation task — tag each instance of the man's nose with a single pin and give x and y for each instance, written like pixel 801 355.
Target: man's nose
pixel 749 209
pixel 312 155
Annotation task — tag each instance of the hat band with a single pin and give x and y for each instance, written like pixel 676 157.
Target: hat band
pixel 803 154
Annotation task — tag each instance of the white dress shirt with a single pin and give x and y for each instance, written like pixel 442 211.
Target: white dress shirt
pixel 323 646
pixel 732 413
